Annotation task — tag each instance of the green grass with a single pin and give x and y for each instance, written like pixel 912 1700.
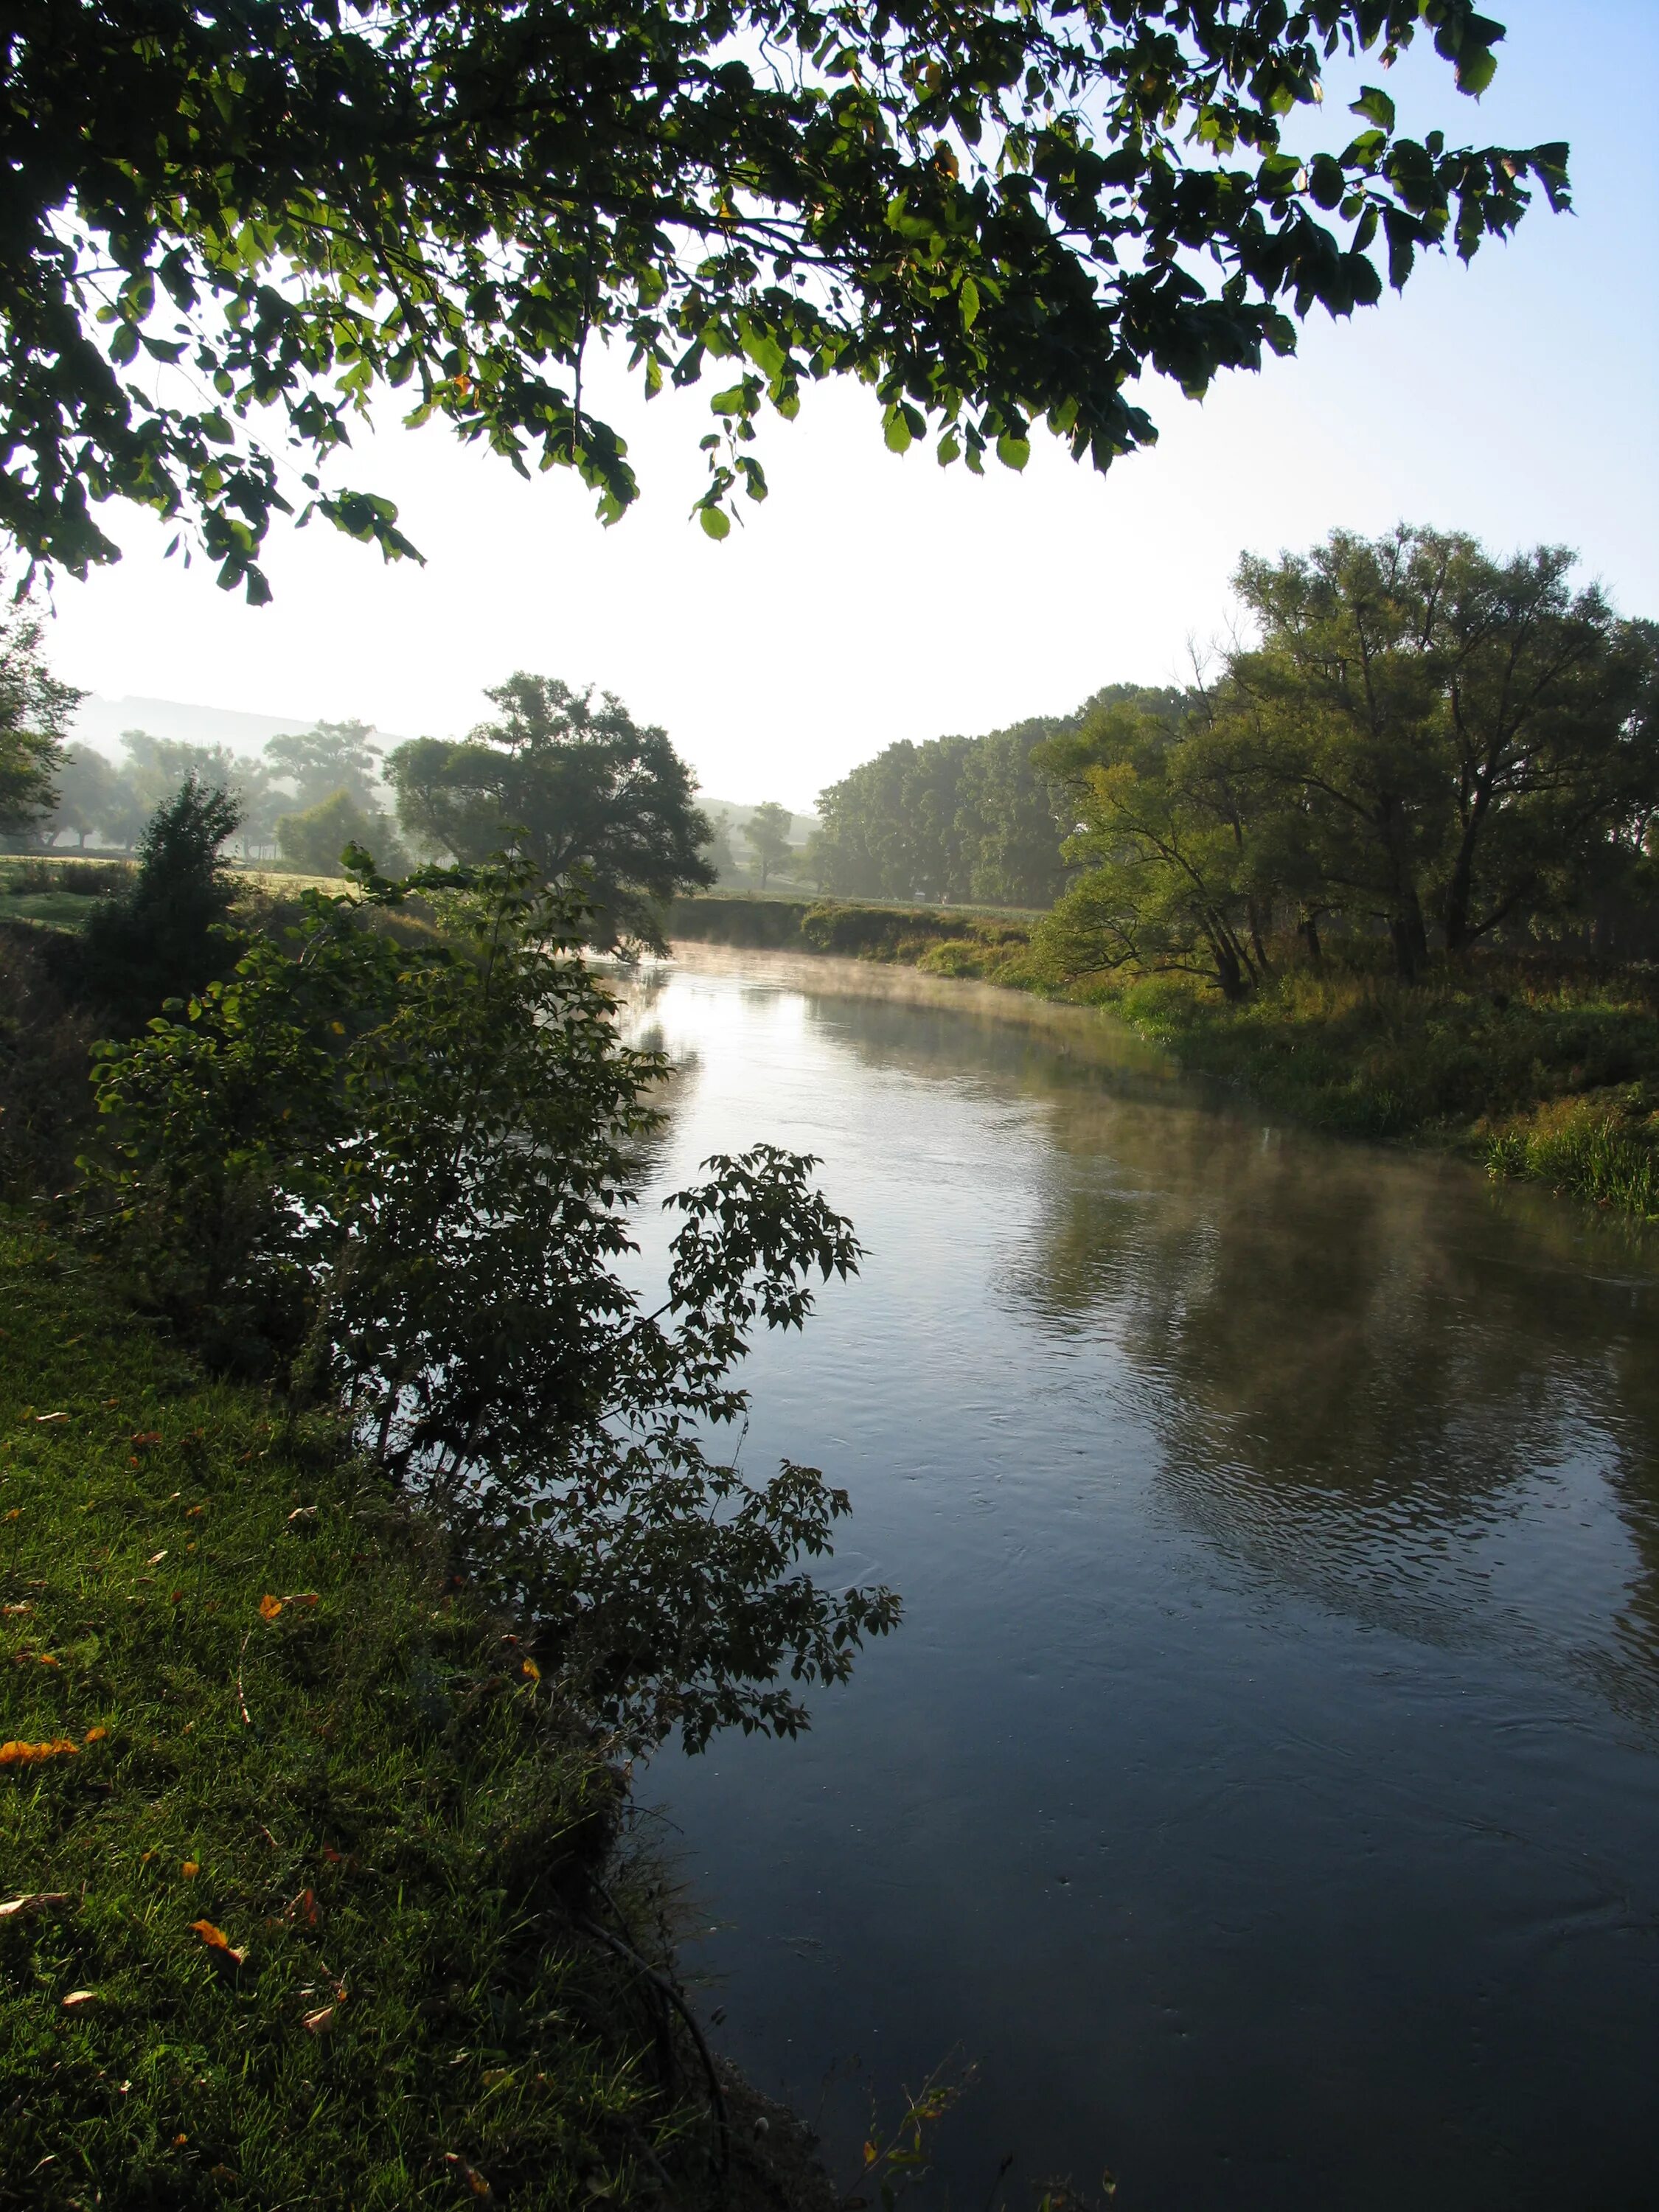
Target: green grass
pixel 365 1792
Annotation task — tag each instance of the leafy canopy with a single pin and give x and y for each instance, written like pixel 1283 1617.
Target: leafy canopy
pixel 404 1175
pixel 767 833
pixel 36 712
pixel 993 215
pixel 589 796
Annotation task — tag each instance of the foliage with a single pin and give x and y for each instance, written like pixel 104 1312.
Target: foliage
pixel 1462 734
pixel 44 1098
pixel 961 818
pixel 329 757
pixel 1604 1148
pixel 767 831
pixel 35 713
pixel 1423 740
pixel 163 935
pixel 411 1842
pixel 592 799
pixel 403 1174
pixel 993 217
pixel 316 840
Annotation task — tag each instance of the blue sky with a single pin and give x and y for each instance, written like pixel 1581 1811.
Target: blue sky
pixel 875 597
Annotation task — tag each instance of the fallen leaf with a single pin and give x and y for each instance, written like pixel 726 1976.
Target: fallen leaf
pixel 302 1597
pixel 301 1513
pixel 304 1909
pixel 24 1607
pixel 216 1940
pixel 144 1439
pixel 96 1735
pixel 156 1560
pixel 17 1753
pixel 50 1417
pixel 36 1901
pixel 195 1512
pixel 320 2022
pixel 46 1659
pixel 474 2180
pixel 270 1606
pixel 532 1670
pixel 189 1869
pixel 76 1998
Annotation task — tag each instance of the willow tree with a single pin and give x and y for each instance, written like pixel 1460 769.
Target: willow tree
pixel 228 230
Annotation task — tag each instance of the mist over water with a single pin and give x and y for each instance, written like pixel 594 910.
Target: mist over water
pixel 1263 1788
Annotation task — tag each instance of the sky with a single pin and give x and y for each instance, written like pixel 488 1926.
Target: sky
pixel 875 597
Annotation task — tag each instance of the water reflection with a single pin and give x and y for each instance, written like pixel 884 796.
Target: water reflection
pixel 1264 1785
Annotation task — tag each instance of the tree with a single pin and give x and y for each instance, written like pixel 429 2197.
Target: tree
pixel 587 795
pixel 1169 884
pixel 993 216
pixel 157 766
pixel 402 1176
pixel 318 838
pixel 90 795
pixel 767 832
pixel 164 936
pixel 330 757
pixel 36 711
pixel 1454 734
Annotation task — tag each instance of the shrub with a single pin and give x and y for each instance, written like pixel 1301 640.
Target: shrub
pixel 401 1176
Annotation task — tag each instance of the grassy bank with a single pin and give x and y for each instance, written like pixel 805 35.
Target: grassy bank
pixel 1538 1067
pixel 312 1893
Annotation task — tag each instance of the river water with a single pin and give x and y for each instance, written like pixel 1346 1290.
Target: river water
pixel 1262 1789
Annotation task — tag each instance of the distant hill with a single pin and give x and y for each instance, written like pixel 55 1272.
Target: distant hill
pixel 100 721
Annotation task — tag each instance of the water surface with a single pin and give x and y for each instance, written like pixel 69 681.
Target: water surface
pixel 1263 1788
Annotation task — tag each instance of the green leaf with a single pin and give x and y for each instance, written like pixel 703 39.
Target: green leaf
pixel 1013 452
pixel 969 296
pixel 1375 105
pixel 716 523
pixel 897 431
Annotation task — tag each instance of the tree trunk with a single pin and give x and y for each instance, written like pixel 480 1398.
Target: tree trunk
pixel 1308 931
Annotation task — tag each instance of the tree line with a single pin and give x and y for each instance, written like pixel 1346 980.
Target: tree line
pixel 1419 741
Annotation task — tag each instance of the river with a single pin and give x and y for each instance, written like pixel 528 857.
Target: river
pixel 1262 1789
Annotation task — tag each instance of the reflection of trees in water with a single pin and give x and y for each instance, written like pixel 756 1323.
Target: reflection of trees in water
pixel 1357 1364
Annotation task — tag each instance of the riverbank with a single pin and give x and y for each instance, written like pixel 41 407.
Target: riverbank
pixel 313 1892
pixel 1533 1067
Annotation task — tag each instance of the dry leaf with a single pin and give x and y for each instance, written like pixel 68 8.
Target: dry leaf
pixel 216 1940
pixel 304 1909
pixel 36 1901
pixel 302 1513
pixel 17 1753
pixel 301 1597
pixel 157 1560
pixel 96 1735
pixel 24 1607
pixel 320 2022
pixel 474 2180
pixel 144 1439
pixel 270 1606
pixel 76 1998
pixel 50 1417
pixel 195 1512
pixel 191 1868
pixel 532 1670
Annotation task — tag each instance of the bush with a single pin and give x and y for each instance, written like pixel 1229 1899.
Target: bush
pixel 163 935
pixel 45 1097
pixel 400 1177
pixel 316 840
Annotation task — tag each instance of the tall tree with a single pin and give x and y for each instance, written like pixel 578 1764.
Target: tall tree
pixel 36 712
pixel 767 832
pixel 330 757
pixel 90 795
pixel 592 799
pixel 993 215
